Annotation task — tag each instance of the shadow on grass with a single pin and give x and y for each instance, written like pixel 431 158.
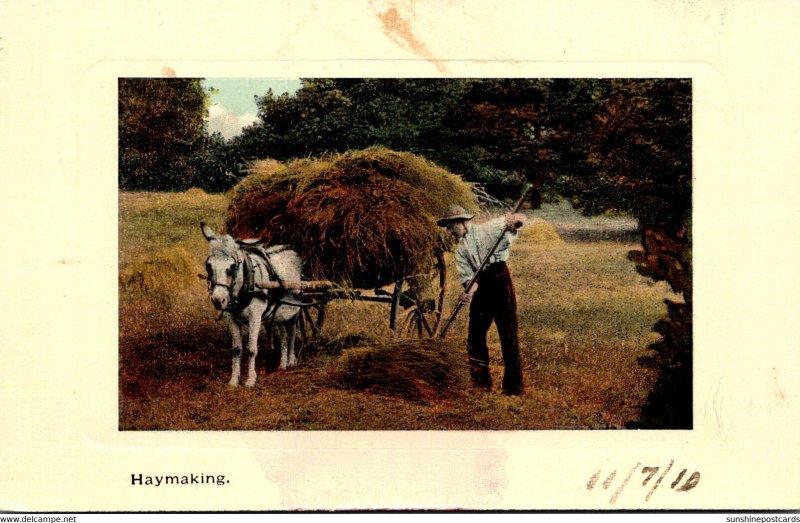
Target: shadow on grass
pixel 594 235
pixel 199 359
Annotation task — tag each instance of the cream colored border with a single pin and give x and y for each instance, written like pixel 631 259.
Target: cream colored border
pixel 61 449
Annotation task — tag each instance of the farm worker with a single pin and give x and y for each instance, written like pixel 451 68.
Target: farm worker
pixel 492 297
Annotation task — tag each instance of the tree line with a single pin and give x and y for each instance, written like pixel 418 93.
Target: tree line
pixel 618 144
pixel 621 145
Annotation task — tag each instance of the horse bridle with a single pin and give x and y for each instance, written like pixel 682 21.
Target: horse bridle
pixel 235 304
pixel 241 300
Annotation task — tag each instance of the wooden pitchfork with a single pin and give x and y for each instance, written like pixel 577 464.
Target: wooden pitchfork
pixel 460 304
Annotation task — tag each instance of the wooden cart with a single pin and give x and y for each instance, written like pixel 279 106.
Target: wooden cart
pixel 420 318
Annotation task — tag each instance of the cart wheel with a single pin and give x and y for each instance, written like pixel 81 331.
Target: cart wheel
pixel 418 322
pixel 423 318
pixel 312 318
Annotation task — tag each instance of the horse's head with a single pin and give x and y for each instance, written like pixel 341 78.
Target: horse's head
pixel 224 267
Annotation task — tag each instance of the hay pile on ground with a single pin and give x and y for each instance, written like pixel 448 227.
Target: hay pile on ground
pixel 195 192
pixel 417 370
pixel 363 219
pixel 541 231
pixel 169 271
pixel 348 341
pixel 323 344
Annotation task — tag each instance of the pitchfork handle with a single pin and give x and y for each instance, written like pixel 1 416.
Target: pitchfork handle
pixel 471 282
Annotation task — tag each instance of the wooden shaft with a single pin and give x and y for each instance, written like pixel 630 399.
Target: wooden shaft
pixel 296 285
pixel 395 301
pixel 306 317
pixel 442 266
pixel 378 299
pixel 321 315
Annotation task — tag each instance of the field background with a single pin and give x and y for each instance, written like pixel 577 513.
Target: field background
pixel 585 316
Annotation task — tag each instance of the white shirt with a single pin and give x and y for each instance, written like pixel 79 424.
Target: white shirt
pixel 477 243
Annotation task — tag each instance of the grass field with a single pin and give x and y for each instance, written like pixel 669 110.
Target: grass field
pixel 585 316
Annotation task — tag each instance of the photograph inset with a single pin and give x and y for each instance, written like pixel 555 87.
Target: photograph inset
pixel 405 254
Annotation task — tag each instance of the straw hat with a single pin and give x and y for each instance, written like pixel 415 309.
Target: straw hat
pixel 454 213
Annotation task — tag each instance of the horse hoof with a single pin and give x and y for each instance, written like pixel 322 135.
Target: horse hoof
pixel 233 384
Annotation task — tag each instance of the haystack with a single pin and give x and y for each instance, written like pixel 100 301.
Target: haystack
pixel 166 273
pixel 541 231
pixel 417 370
pixel 362 219
pixel 195 192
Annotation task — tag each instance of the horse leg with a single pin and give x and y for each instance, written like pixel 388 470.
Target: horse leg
pixel 236 364
pixel 254 327
pixel 280 331
pixel 291 336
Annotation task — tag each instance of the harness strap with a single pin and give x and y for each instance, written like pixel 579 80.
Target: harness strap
pixel 249 279
pixel 265 256
pixel 245 295
pixel 275 297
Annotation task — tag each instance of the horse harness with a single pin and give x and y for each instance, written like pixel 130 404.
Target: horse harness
pixel 250 289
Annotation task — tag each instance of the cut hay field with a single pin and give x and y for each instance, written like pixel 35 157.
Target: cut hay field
pixel 585 317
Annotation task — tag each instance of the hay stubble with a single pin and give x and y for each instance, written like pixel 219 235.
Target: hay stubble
pixel 585 316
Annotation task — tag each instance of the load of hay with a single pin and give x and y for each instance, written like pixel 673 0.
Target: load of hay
pixel 363 219
pixel 416 370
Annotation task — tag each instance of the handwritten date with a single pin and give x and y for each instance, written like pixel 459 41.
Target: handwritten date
pixel 646 474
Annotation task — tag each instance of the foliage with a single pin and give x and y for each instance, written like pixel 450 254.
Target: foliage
pixel 606 144
pixel 163 144
pixel 630 150
pixel 337 115
pixel 634 155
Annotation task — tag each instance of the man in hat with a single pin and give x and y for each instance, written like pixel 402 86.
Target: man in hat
pixel 492 297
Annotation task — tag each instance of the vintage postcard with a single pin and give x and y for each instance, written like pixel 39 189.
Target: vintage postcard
pixel 395 256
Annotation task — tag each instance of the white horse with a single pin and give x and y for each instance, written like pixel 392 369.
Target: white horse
pixel 241 282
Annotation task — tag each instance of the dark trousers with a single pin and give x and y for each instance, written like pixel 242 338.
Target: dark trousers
pixel 495 300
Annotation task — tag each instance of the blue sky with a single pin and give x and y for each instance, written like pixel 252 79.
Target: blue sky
pixel 233 106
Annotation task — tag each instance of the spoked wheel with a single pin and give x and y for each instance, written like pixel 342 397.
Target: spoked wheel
pixel 312 319
pixel 424 316
pixel 420 321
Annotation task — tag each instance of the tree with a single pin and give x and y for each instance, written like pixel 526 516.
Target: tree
pixel 161 128
pixel 632 152
pixel 445 120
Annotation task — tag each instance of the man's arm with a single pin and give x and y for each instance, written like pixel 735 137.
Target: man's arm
pixel 467 297
pixel 465 270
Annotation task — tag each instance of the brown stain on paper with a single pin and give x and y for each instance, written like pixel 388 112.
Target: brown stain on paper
pixel 779 393
pixel 399 29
